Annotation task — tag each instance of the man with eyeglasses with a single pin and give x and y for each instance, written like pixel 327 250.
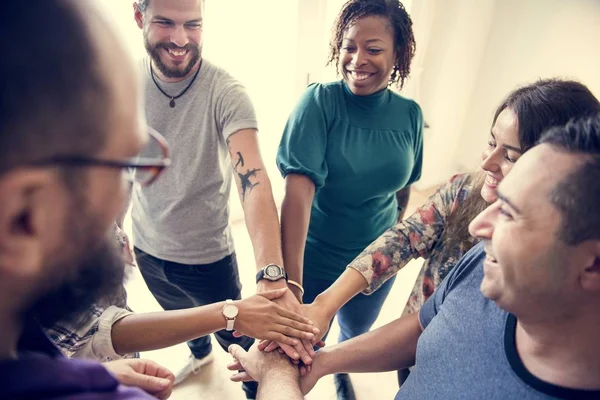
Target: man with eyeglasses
pixel 69 124
pixel 183 242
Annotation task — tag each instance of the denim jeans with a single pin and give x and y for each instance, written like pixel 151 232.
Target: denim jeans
pixel 176 286
pixel 356 316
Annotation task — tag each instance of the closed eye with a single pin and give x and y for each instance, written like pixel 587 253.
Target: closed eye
pixel 504 212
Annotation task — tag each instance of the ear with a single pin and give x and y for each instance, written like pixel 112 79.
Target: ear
pixel 21 214
pixel 138 15
pixel 590 278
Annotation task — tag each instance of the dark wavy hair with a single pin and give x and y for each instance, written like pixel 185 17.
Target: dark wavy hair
pixel 401 24
pixel 539 106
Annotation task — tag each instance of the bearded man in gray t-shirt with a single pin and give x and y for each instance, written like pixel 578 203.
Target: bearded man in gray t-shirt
pixel 181 231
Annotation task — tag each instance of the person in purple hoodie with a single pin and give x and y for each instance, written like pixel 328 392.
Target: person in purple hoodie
pixel 70 129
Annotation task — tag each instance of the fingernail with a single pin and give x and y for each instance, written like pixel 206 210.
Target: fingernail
pixel 164 383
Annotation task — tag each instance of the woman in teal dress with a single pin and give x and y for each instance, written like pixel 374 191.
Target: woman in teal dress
pixel 349 153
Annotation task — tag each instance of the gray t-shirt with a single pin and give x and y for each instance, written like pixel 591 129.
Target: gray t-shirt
pixel 467 350
pixel 184 215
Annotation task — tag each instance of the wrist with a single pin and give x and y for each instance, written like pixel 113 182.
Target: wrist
pixel 265 285
pixel 282 371
pixel 296 292
pixel 320 364
pixel 325 303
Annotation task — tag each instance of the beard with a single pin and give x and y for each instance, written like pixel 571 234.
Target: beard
pixel 92 273
pixel 154 51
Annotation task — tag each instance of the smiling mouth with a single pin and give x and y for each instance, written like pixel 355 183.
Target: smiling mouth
pixel 359 76
pixel 177 52
pixel 491 181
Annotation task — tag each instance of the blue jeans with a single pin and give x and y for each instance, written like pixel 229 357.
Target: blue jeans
pixel 176 286
pixel 356 316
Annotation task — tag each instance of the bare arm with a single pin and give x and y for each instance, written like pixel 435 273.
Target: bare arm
pixel 280 385
pixel 391 347
pixel 402 195
pixel 254 188
pixel 157 330
pixel 277 376
pixel 258 317
pixel 295 216
pixel 327 304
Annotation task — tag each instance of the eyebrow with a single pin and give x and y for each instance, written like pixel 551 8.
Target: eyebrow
pixel 507 201
pixel 367 41
pixel 161 18
pixel 507 146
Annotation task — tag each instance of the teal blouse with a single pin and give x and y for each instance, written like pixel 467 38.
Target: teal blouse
pixel 359 151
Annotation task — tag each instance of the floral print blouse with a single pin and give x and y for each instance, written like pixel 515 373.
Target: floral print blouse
pixel 420 235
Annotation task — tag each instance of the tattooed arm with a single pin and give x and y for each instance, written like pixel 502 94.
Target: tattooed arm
pixel 254 188
pixel 261 220
pixel 412 238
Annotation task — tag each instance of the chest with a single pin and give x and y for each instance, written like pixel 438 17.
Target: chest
pixel 382 159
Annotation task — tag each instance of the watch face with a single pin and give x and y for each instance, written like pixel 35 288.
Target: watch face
pixel 230 311
pixel 272 271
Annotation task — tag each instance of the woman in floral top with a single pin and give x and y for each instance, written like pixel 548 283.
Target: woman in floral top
pixel 438 231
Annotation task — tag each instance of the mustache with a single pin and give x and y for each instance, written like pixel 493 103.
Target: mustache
pixel 173 46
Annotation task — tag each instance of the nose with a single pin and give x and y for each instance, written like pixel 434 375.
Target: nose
pixel 359 58
pixel 490 159
pixel 179 36
pixel 482 227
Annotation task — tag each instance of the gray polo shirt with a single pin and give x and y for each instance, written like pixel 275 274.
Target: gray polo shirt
pixel 184 215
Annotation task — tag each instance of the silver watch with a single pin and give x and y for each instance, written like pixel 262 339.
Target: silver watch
pixel 271 272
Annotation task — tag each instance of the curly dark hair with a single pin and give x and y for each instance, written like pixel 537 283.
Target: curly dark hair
pixel 393 10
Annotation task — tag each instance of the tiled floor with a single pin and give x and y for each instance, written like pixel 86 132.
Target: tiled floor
pixel 213 382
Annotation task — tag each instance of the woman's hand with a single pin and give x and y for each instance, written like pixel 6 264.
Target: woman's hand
pixel 259 317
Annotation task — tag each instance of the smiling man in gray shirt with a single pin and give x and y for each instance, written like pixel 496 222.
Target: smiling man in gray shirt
pixel 183 242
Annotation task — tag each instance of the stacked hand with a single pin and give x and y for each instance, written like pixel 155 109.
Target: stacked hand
pixel 262 316
pixel 321 320
pixel 256 365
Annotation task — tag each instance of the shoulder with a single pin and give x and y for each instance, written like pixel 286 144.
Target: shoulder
pixel 397 100
pixel 323 92
pixel 221 80
pixel 468 269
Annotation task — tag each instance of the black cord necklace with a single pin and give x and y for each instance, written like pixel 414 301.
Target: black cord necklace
pixel 173 98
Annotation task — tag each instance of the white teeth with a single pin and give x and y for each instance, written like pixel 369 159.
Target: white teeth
pixel 359 76
pixel 177 53
pixel 491 181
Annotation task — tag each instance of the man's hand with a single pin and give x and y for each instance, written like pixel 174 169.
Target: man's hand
pixel 260 317
pixel 124 245
pixel 255 365
pixel 301 351
pixel 147 375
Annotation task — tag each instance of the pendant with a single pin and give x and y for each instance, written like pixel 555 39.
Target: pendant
pixel 172 103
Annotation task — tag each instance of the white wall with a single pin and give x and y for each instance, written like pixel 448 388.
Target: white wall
pixel 470 53
pixel 529 40
pixel 451 40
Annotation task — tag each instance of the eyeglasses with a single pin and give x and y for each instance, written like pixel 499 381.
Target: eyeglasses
pixel 143 169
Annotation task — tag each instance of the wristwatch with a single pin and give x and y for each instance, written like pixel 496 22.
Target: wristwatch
pixel 271 272
pixel 230 311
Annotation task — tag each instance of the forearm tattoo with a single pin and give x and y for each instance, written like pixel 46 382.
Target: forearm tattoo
pixel 245 177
